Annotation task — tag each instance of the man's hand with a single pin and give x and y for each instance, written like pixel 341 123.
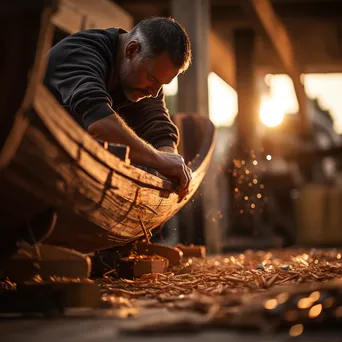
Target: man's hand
pixel 172 166
pixel 181 190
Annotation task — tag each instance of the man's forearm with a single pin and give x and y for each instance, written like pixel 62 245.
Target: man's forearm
pixel 114 130
pixel 167 149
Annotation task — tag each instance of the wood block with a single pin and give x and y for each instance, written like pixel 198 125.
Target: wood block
pixel 173 254
pixel 46 261
pixel 138 265
pixel 118 150
pixel 192 251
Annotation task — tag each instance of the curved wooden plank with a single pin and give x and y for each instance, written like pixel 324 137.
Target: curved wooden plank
pixel 59 165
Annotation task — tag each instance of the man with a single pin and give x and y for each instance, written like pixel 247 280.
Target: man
pixel 111 82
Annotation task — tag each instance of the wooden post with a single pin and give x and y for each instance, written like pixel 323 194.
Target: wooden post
pixel 194 15
pixel 247 144
pixel 246 87
pixel 195 219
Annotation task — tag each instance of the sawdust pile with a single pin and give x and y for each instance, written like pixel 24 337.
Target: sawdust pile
pixel 263 290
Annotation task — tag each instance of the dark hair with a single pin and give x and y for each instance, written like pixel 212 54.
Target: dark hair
pixel 159 34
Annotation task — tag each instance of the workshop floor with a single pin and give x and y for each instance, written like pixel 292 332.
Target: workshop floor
pixel 240 297
pixel 107 330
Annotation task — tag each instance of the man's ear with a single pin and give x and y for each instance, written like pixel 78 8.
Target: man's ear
pixel 132 49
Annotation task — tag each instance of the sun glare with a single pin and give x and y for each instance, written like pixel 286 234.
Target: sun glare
pixel 281 98
pixel 171 89
pixel 222 101
pixel 325 87
pixel 271 112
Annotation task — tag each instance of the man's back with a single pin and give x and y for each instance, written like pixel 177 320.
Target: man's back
pixel 80 74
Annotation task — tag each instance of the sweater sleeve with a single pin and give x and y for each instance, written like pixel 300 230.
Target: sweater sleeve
pixel 80 69
pixel 151 120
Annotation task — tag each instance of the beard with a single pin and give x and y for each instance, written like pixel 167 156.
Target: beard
pixel 132 94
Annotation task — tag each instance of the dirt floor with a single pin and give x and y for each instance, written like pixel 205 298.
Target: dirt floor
pixel 268 296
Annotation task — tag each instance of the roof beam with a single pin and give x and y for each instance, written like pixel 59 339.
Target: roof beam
pixel 265 18
pixel 222 59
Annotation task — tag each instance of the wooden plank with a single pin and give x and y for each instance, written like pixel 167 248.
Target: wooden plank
pixel 67 19
pixel 104 14
pixel 264 15
pixel 77 15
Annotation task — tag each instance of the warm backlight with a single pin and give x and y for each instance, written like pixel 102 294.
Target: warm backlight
pixel 271 113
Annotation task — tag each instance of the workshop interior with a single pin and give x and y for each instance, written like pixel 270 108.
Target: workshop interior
pixel 97 247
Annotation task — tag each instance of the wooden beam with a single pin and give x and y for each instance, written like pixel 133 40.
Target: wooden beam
pixel 77 15
pixel 320 55
pixel 67 19
pixel 265 18
pixel 246 87
pixel 222 59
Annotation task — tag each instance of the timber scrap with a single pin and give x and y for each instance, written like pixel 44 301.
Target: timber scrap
pixel 48 162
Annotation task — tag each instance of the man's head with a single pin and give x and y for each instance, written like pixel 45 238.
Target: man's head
pixel 155 51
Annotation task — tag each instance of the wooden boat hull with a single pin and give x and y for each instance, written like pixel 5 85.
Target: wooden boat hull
pixel 59 165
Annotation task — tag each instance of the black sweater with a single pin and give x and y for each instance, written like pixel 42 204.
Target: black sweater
pixel 79 73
